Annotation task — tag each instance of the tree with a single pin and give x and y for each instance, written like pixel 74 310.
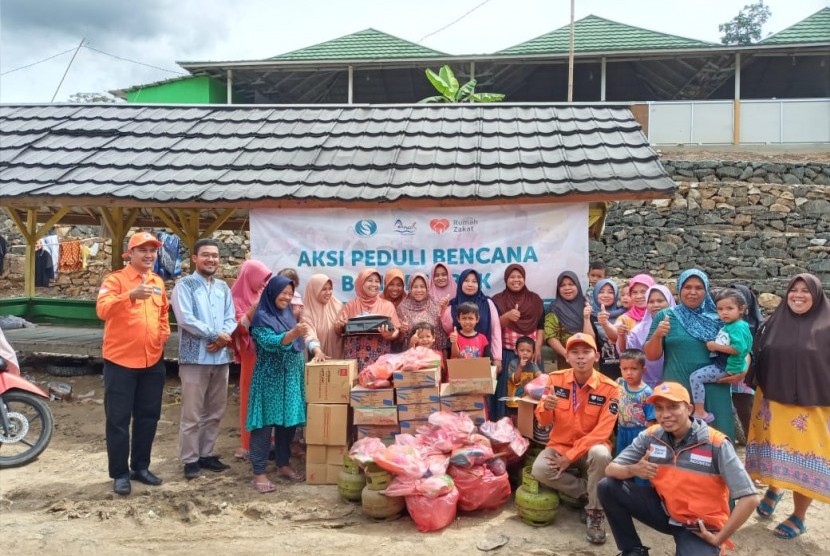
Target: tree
pixel 91 97
pixel 445 83
pixel 745 28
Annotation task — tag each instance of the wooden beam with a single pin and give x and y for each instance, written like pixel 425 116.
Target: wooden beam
pixel 220 219
pixel 31 233
pixel 169 221
pixel 119 223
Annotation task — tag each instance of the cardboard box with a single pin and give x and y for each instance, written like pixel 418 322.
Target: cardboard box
pixel 526 422
pixel 327 424
pixel 461 402
pixel 409 396
pixel 322 473
pixel 375 415
pixel 412 426
pixel 471 376
pixel 383 432
pixel 367 397
pixel 425 377
pixel 478 416
pixel 326 454
pixel 417 411
pixel 330 381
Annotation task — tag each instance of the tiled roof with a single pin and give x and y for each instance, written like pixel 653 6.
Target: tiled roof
pixel 368 44
pixel 815 28
pixel 596 34
pixel 168 154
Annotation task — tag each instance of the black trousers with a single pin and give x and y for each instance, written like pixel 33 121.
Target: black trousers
pixel 131 394
pixel 261 446
pixel 624 501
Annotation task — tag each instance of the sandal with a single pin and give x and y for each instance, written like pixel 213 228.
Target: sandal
pixel 765 509
pixel 263 487
pixel 784 531
pixel 242 454
pixel 294 476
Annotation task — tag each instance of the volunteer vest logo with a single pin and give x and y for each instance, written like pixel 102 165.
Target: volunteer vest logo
pixel 365 228
pixel 439 225
pixel 404 229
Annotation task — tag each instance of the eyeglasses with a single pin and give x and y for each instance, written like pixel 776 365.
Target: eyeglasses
pixel 209 255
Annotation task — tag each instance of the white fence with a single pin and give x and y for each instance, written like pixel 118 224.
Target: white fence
pixel 788 121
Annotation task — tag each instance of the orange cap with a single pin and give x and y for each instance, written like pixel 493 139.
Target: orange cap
pixel 141 238
pixel 671 391
pixel 580 338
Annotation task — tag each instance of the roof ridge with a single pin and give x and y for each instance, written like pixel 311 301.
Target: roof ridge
pixel 342 38
pixel 778 34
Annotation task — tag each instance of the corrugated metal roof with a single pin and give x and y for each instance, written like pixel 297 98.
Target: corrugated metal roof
pixel 335 153
pixel 813 29
pixel 367 44
pixel 597 34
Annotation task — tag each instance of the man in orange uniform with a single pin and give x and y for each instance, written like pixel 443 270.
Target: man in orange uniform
pixel 133 305
pixel 581 404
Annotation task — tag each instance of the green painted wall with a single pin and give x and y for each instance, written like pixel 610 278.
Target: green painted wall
pixel 193 90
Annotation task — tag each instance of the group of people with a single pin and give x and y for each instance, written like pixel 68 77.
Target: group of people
pixel 663 373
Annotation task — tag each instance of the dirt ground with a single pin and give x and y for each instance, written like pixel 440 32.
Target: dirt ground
pixel 63 504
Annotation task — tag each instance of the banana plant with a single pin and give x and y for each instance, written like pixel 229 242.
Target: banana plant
pixel 445 83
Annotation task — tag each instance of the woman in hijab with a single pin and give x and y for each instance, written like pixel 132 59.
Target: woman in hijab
pixel 419 306
pixel 442 289
pixel 522 313
pixel 637 288
pixel 321 311
pixel 604 308
pixel 277 400
pixel 789 436
pixel 679 335
pixel 366 348
pixel 393 284
pixel 469 289
pixel 251 280
pixel 743 395
pixel 569 314
pixel 657 298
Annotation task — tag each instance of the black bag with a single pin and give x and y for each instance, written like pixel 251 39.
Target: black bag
pixel 368 324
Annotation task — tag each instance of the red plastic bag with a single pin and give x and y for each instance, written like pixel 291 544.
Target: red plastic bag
pixel 431 487
pixel 364 450
pixel 536 387
pixel 433 514
pixel 479 489
pixel 505 438
pixel 418 358
pixel 402 460
pixel 402 486
pixel 458 425
pixel 477 452
pixel 439 439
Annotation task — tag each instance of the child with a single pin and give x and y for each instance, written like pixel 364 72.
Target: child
pixel 468 344
pixel 297 300
pixel 734 339
pixel 521 371
pixel 634 414
pixel 625 296
pixel 423 334
pixel 596 272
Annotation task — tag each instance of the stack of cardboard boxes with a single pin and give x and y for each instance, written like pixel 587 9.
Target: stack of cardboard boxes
pixel 375 413
pixel 469 381
pixel 328 387
pixel 418 395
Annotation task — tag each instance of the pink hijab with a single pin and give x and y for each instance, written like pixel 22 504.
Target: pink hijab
pixel 245 292
pixel 449 290
pixel 637 313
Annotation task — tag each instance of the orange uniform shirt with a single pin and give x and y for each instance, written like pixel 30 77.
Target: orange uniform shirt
pixel 134 331
pixel 584 417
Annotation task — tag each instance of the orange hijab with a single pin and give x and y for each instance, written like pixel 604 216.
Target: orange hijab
pixel 391 274
pixel 365 304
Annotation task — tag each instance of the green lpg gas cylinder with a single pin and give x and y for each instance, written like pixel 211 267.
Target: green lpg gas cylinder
pixel 350 484
pixel 379 506
pixel 537 504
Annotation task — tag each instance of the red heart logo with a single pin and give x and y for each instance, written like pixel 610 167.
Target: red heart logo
pixel 439 225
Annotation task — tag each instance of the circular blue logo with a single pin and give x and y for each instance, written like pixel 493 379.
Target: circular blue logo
pixel 365 228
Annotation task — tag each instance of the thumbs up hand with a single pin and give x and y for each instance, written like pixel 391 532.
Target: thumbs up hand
pixel 144 290
pixel 454 336
pixel 602 317
pixel 663 328
pixel 586 312
pixel 514 314
pixel 644 468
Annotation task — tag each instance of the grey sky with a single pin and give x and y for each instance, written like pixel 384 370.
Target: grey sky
pixel 159 32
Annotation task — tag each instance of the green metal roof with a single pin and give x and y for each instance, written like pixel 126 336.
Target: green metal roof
pixel 815 28
pixel 368 44
pixel 596 34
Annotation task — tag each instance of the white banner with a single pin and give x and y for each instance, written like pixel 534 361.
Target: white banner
pixel 545 239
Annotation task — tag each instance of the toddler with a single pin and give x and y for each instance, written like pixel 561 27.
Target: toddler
pixel 423 334
pixel 467 343
pixel 521 371
pixel 734 340
pixel 634 414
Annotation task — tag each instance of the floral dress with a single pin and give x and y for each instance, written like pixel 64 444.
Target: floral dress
pixel 277 395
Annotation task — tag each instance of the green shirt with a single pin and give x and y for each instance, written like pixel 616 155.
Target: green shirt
pixel 738 336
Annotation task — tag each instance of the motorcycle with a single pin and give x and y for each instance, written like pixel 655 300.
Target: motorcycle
pixel 26 422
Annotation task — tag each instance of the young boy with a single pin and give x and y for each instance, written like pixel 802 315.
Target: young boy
pixel 467 343
pixel 635 415
pixel 423 335
pixel 596 272
pixel 521 371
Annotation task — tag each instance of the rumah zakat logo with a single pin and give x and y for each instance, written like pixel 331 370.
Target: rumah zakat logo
pixel 439 225
pixel 365 227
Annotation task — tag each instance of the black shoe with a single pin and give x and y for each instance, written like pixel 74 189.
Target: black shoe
pixel 213 463
pixel 146 477
pixel 639 551
pixel 122 486
pixel 192 470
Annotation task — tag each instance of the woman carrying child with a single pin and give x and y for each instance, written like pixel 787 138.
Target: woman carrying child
pixel 569 314
pixel 522 314
pixel 658 297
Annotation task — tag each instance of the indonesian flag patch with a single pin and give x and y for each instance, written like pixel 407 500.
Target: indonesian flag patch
pixel 701 456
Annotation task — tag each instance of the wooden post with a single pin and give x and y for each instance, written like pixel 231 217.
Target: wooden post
pixel 119 223
pixel 31 233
